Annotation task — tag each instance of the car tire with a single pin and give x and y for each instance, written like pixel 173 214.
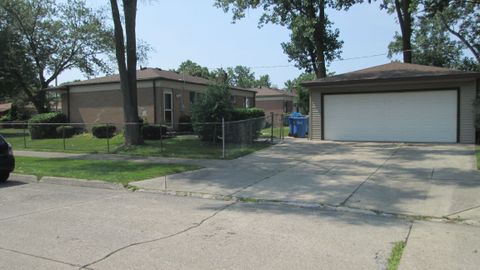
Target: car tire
pixel 4 176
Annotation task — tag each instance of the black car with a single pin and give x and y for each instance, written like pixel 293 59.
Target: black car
pixel 7 161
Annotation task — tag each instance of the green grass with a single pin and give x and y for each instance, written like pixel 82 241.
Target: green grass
pixel 185 146
pixel 122 172
pixel 396 255
pixel 189 146
pixel 266 132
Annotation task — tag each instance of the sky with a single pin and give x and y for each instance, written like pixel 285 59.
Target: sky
pixel 194 29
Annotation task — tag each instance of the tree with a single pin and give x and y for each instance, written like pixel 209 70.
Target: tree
pixel 303 95
pixel 126 54
pixel 313 42
pixel 53 37
pixel 241 76
pixel 191 68
pixel 405 10
pixel 263 81
pixel 459 18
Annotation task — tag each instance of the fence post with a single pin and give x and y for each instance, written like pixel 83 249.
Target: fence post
pixel 271 121
pixel 223 137
pixel 161 140
pixel 25 135
pixel 63 137
pixel 108 138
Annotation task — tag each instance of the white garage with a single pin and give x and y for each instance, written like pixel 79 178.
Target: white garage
pixel 423 116
pixel 395 102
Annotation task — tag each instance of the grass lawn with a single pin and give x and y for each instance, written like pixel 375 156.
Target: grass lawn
pixel 106 170
pixel 266 132
pixel 185 146
pixel 189 146
pixel 396 255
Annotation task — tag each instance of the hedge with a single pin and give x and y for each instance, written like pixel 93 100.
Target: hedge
pixel 103 131
pixel 152 132
pixel 65 131
pixel 185 124
pixel 44 125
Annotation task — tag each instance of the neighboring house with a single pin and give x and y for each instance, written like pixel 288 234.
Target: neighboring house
pixel 274 100
pixel 4 108
pixel 163 97
pixel 395 102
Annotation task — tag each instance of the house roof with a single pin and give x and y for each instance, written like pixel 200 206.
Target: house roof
pixel 146 74
pixel 392 71
pixel 268 92
pixel 5 107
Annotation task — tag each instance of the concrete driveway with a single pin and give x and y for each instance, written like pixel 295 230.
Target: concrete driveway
pixel 435 180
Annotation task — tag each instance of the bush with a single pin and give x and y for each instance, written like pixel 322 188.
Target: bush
pixel 103 131
pixel 44 126
pixel 65 131
pixel 185 124
pixel 244 113
pixel 152 132
pixel 214 105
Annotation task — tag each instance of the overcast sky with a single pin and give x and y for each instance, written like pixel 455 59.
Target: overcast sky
pixel 194 29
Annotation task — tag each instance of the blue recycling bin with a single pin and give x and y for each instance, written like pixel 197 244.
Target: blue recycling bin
pixel 298 125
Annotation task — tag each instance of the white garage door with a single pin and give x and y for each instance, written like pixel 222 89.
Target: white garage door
pixel 426 116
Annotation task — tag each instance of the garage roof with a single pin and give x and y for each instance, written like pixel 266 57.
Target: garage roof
pixel 392 71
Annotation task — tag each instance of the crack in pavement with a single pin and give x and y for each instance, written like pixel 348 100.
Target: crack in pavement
pixel 464 210
pixel 196 225
pixel 42 257
pixel 57 208
pixel 370 176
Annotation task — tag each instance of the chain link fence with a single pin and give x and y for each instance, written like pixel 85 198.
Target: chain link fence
pixel 223 139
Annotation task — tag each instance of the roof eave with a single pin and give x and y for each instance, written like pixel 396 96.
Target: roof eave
pixel 383 80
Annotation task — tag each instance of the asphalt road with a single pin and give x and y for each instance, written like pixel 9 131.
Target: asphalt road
pixel 46 226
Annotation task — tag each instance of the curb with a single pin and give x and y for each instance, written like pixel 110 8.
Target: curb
pixel 80 183
pixel 23 178
pixel 193 194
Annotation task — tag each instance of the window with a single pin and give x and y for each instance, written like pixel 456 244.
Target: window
pixel 247 103
pixel 193 96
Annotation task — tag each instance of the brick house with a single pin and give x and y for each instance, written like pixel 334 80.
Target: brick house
pixel 275 101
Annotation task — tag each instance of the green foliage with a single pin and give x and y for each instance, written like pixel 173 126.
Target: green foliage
pixel 191 68
pixel 44 126
pixel 48 37
pixel 313 41
pixel 65 131
pixel 103 131
pixel 303 95
pixel 246 113
pixel 212 107
pixel 153 132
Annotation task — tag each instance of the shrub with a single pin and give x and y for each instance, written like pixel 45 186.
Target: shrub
pixel 185 124
pixel 44 126
pixel 152 132
pixel 246 113
pixel 65 131
pixel 103 131
pixel 214 105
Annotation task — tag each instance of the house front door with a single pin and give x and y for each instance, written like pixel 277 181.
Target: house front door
pixel 168 107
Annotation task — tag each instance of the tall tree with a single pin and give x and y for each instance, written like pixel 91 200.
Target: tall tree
pixel 263 81
pixel 54 37
pixel 126 47
pixel 314 43
pixel 405 11
pixel 241 76
pixel 191 68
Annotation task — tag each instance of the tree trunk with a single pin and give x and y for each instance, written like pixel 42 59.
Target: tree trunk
pixel 319 35
pixel 128 69
pixel 405 20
